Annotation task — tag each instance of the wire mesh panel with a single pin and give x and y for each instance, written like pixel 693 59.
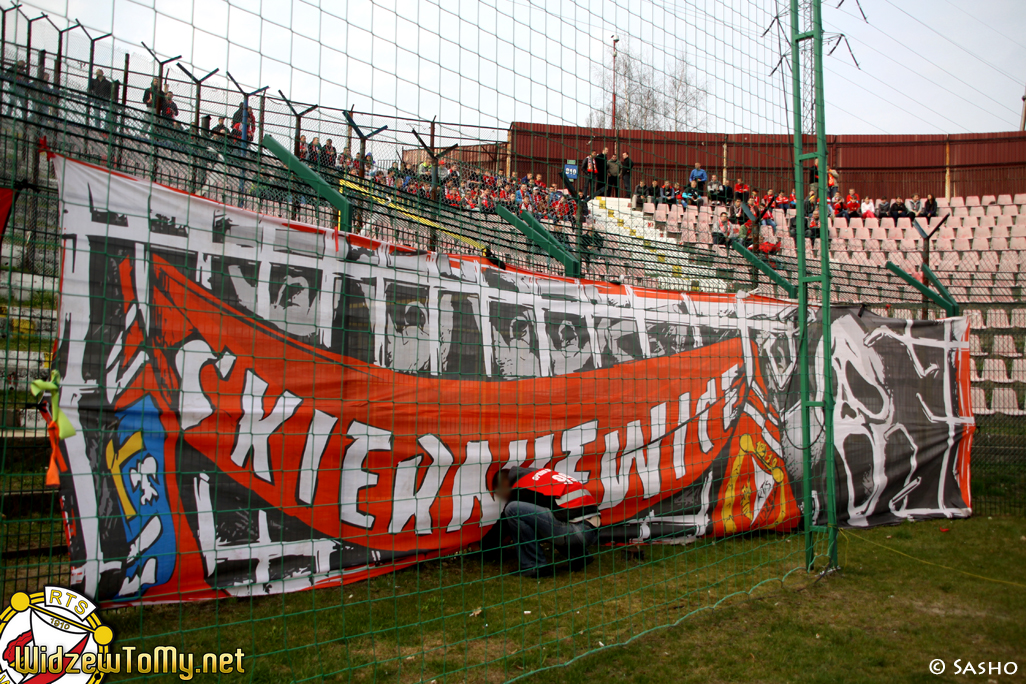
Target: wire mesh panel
pixel 477 396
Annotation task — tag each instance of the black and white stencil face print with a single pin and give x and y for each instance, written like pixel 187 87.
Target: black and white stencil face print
pixel 896 428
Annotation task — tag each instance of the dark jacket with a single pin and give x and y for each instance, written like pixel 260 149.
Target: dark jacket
pixel 600 165
pixel 627 165
pixel 100 88
pixel 565 496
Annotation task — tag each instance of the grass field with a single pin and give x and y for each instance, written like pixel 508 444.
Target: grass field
pixel 882 618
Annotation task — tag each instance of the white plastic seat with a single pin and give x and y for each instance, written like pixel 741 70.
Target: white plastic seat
pixel 978 400
pixel 1004 200
pixel 1005 401
pixel 997 318
pixel 1004 345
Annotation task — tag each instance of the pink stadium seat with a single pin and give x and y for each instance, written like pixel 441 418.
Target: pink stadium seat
pixel 1006 402
pixel 887 222
pixel 878 233
pixel 854 245
pixel 1009 261
pixel 998 244
pixel 943 244
pixel 895 233
pixel 1020 199
pixel 913 235
pixel 974 375
pixel 904 222
pixel 1017 243
pixel 872 223
pixel 855 223
pixel 877 258
pixel 949 261
pixel 997 318
pixel 862 233
pixel 994 210
pixel 1005 220
pixel 988 221
pixel 988 262
pixel 1010 210
pixel 977 211
pixel 914 260
pixel 995 370
pixel 975 348
pixel 872 245
pixel 888 246
pixel 908 245
pixel 1004 345
pixel 946 231
pixel 1004 200
pixel 970 221
pixel 860 259
pixel 1021 219
pixel 972 201
pixel 840 258
pixel 975 317
pixel 961 244
pixel 942 202
pixel 978 400
pixel 648 208
pixel 845 232
pixel 959 211
pixel 987 200
pixel 1019 370
pixel 982 232
pixel 956 202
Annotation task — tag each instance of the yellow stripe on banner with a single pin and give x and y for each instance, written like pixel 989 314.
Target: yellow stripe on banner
pixel 413 217
pixel 936 565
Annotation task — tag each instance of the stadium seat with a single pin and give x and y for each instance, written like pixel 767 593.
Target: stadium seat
pixel 1004 200
pixel 997 318
pixel 908 245
pixel 978 399
pixel 988 262
pixel 845 232
pixel 943 202
pixel 1000 231
pixel 972 201
pixel 1004 345
pixel 1009 262
pixel 998 244
pixel 896 233
pixel 1005 401
pixel 964 233
pixel 961 245
pixel 975 318
pixel 855 223
pixel 995 370
pixel 878 233
pixel 956 202
pixel 1011 210
pixel 1020 199
pixel 886 223
pixel 648 208
pixel 888 246
pixel 872 245
pixel 970 221
pixel 1020 220
pixel 981 244
pixel 993 210
pixel 1005 220
pixel 975 348
pixel 947 231
pixel 1018 370
pixel 959 211
pixel 987 200
pixel 1018 318
pixel 854 245
pixel 974 375
pixel 983 232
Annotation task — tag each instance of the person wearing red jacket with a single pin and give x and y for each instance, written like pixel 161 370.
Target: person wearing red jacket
pixel 542 504
pixel 852 204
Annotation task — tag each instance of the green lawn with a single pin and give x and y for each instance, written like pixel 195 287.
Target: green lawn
pixel 883 618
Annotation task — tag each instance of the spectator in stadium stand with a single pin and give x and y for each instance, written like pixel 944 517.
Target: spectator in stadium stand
pixel 929 209
pixel 653 192
pixel 626 168
pixel 538 180
pixel 741 191
pixel 691 195
pixel 831 183
pixel 883 208
pixel 590 174
pixel 221 130
pixel 100 90
pixel 153 97
pixel 914 206
pixel 545 505
pixel 814 228
pixel 170 111
pixel 868 209
pixel 303 147
pixel 699 175
pixel 600 172
pixel 811 202
pixel 722 229
pixel 666 194
pixel 592 242
pixel 18 75
pixel 736 212
pixel 613 176
pixel 313 152
pixel 852 204
pixel 898 209
pixel 678 194
pixel 766 206
pixel 714 191
pixel 640 193
pixel 329 155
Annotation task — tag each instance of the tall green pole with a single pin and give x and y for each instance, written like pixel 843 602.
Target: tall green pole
pixel 824 252
pixel 803 285
pixel 812 19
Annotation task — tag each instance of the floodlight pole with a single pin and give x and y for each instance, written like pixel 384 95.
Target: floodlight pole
pixel 433 244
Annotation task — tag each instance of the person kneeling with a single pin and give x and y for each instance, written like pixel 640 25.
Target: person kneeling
pixel 545 505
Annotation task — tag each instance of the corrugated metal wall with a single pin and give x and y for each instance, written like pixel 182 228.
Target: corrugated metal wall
pixel 892 165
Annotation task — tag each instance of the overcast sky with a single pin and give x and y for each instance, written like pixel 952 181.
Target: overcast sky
pixel 927 66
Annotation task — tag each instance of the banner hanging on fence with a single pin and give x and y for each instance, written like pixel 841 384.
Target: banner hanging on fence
pixel 261 407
